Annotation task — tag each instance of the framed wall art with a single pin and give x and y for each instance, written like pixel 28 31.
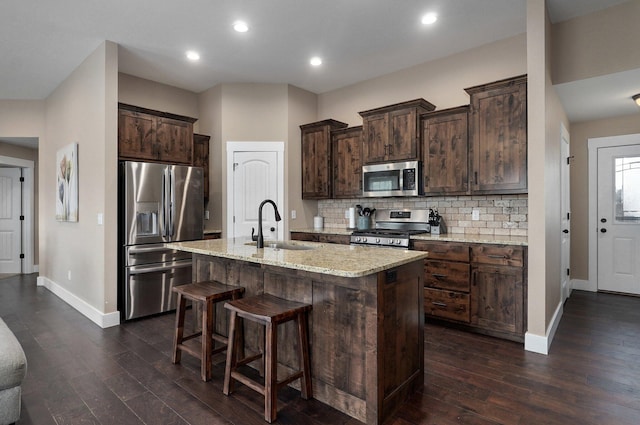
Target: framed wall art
pixel 67 183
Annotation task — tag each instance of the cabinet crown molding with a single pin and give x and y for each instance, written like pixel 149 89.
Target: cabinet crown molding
pixel 520 79
pixel 415 103
pixel 153 112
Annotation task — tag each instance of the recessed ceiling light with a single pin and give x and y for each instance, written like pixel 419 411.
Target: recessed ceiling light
pixel 429 18
pixel 193 55
pixel 240 26
pixel 315 61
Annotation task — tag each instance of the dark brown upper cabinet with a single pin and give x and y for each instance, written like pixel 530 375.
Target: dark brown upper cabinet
pixel 347 162
pixel 445 150
pixel 316 158
pixel 498 137
pixel 201 159
pixel 149 135
pixel 391 133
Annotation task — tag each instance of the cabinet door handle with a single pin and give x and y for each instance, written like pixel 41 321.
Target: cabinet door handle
pixel 504 257
pixel 475 174
pixel 439 304
pixel 438 275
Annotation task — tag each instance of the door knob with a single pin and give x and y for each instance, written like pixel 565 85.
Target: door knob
pixel 603 230
pixel 565 231
pixel 273 229
pixel 603 220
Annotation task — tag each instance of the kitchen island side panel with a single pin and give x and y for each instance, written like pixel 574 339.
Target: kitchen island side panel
pixel 357 365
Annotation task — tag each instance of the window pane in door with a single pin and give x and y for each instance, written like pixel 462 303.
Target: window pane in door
pixel 627 194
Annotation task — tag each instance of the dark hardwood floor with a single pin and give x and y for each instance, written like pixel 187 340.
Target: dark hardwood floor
pixel 79 373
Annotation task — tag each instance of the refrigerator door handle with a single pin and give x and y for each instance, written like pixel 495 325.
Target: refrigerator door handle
pixel 163 203
pixel 172 201
pixel 148 249
pixel 166 267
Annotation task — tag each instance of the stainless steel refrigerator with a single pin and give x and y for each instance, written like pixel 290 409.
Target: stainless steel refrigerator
pixel 159 203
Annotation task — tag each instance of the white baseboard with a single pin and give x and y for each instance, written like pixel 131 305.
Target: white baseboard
pixel 104 320
pixel 584 285
pixel 541 344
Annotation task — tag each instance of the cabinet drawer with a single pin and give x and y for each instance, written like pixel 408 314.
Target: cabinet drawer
pixel 339 239
pixel 447 304
pixel 447 275
pixel 444 251
pixel 502 255
pixel 302 236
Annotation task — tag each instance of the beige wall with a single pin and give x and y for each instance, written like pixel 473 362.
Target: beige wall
pixel 545 114
pixel 441 82
pixel 256 112
pixel 210 109
pixel 161 97
pixel 22 118
pixel 536 113
pixel 302 109
pixel 251 113
pixel 14 151
pixel 83 110
pixel 597 44
pixel 580 133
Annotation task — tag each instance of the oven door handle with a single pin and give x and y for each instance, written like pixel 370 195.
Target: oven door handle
pixel 159 268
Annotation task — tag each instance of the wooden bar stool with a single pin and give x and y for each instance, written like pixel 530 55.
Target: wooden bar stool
pixel 269 311
pixel 206 294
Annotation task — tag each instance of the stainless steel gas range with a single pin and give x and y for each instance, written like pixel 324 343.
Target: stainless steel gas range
pixel 394 228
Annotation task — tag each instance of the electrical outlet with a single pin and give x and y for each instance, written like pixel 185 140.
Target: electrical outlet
pixel 69 274
pixel 475 215
pixel 293 214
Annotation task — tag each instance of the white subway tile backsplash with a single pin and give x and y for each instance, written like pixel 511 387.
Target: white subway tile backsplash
pixel 502 215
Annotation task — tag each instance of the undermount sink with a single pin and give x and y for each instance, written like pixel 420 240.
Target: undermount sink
pixel 283 245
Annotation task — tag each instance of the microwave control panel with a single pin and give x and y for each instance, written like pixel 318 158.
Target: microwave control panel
pixel 409 179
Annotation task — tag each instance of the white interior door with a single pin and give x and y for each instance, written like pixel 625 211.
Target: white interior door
pixel 10 229
pixel 619 219
pixel 565 210
pixel 255 172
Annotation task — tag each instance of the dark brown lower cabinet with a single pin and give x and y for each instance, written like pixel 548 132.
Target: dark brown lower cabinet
pixel 497 299
pixel 480 287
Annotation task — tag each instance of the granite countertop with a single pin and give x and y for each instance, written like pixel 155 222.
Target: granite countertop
pixel 333 259
pixel 447 237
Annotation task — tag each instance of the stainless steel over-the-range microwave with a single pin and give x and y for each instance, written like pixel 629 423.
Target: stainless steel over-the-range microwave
pixel 392 179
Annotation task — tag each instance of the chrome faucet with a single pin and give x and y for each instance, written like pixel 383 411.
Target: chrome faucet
pixel 260 238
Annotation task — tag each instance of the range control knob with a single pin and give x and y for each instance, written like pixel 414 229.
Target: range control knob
pixel 377 240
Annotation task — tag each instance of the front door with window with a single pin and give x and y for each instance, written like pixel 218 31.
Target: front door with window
pixel 619 219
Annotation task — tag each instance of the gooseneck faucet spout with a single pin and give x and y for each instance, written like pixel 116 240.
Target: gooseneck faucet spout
pixel 260 241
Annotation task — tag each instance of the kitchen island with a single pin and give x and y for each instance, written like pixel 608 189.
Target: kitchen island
pixel 366 327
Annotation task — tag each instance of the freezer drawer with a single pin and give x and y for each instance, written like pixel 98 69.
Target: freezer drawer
pixel 148 287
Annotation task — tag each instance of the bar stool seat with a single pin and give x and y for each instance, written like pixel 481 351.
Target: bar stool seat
pixel 268 311
pixel 206 294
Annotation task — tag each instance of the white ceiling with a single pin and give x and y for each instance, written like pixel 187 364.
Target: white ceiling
pixel 42 42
